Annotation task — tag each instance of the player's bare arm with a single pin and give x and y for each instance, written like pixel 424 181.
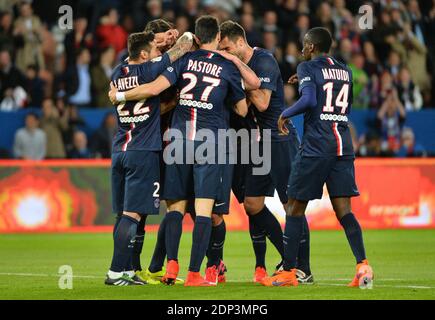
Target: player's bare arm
pixel 168 106
pixel 248 75
pixel 241 108
pixel 143 91
pixel 181 47
pixel 293 79
pixel 260 98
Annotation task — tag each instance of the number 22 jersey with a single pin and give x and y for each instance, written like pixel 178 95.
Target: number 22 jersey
pixel 138 121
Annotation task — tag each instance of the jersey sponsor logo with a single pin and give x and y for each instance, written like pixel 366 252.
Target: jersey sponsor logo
pixel 333 117
pixel 195 104
pixel 304 79
pixel 264 79
pixel 134 119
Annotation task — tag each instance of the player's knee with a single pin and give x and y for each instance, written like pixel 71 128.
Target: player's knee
pixel 133 215
pixel 253 206
pixel 216 219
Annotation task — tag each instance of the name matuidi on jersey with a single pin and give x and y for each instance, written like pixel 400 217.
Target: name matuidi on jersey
pixel 335 74
pixel 126 83
pixel 204 67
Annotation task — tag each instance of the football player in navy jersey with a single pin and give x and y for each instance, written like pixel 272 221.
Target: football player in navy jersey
pixel 267 105
pixel 326 155
pixel 135 152
pixel 206 80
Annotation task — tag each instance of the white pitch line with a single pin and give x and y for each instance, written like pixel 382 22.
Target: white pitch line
pixel 232 281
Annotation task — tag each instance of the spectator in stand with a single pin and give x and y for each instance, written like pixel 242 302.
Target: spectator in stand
pixel 413 55
pixel 78 80
pixel 371 146
pixel 371 64
pixel 270 42
pixel 34 86
pixel 394 64
pixel 302 25
pixel 290 61
pixel 75 123
pixel 100 75
pixel 80 147
pixel 289 94
pixel 391 117
pixel 409 93
pixel 386 86
pixel 323 17
pixel 345 51
pixel 10 78
pixel 360 82
pixel 253 36
pixel 110 33
pixel 53 125
pixel 101 141
pixel 28 28
pixel 409 148
pixel 182 24
pixel 30 142
pixel 76 39
pixel 7 38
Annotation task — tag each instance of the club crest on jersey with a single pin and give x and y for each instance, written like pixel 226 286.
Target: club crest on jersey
pixel 125 70
pixel 210 55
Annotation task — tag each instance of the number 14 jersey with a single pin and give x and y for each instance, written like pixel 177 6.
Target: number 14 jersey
pixel 326 131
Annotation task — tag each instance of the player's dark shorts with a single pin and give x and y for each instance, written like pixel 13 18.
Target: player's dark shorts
pixel 135 182
pixel 282 153
pixel 189 181
pixel 309 174
pixel 222 203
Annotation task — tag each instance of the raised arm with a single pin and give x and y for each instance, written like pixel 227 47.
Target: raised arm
pixel 143 91
pixel 249 77
pixel 181 47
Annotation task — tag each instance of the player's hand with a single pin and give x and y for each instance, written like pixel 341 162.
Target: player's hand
pixel 293 79
pixel 225 54
pixel 282 126
pixel 112 93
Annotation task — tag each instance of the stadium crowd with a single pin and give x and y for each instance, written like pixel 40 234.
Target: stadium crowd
pixel 61 71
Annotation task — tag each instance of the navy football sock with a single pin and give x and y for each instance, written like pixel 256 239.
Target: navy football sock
pixel 216 245
pixel 159 254
pixel 268 222
pixel 258 237
pixel 138 244
pixel 354 236
pixel 200 241
pixel 123 243
pixel 304 248
pixel 174 228
pixel 292 237
pixel 118 218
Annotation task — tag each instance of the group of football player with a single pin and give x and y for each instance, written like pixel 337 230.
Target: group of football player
pixel 214 80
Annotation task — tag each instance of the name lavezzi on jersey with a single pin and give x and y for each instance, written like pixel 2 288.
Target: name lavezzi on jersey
pixel 326 131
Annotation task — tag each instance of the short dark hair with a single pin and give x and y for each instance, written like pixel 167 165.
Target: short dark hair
pixel 206 29
pixel 158 25
pixel 32 114
pixel 321 39
pixel 139 41
pixel 232 30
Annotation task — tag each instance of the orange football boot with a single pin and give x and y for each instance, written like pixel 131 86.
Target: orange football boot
pixel 211 275
pixel 221 272
pixel 172 269
pixel 281 279
pixel 194 279
pixel 364 276
pixel 260 274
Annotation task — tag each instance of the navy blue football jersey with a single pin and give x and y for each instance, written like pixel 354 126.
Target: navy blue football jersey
pixel 207 83
pixel 267 70
pixel 326 130
pixel 138 121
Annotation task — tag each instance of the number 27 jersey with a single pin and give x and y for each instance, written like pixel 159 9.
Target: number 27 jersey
pixel 326 130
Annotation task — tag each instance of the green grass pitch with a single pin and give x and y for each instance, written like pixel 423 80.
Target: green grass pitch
pixel 403 261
